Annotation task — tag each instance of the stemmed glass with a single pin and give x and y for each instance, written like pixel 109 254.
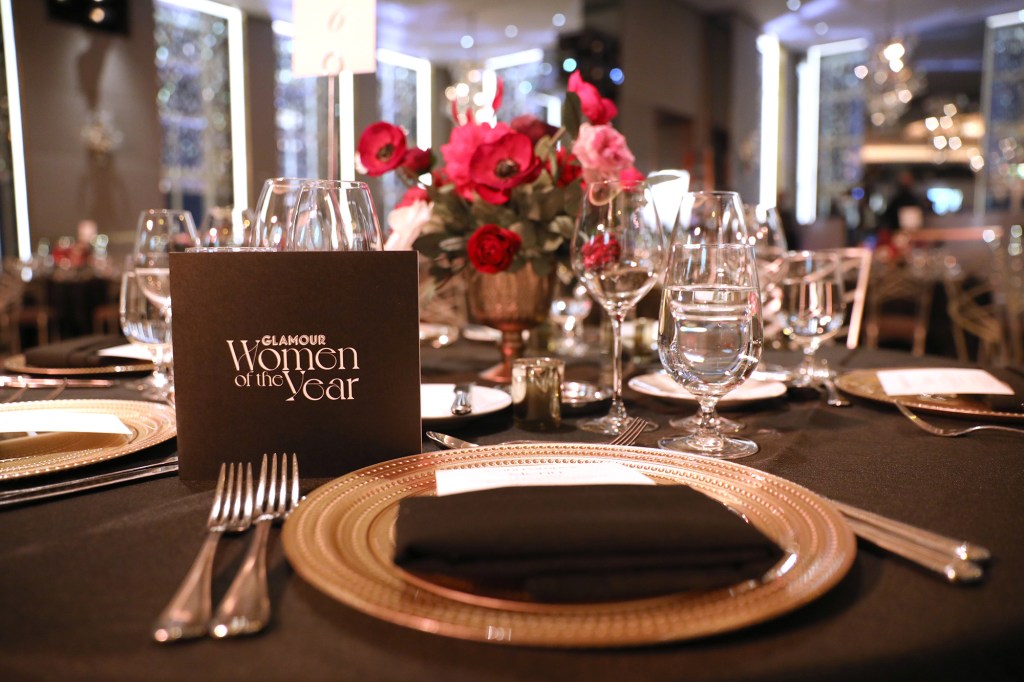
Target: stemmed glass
pixel 161 232
pixel 813 307
pixel 710 217
pixel 144 324
pixel 334 215
pixel 275 212
pixel 710 336
pixel 769 242
pixel 617 252
pixel 569 308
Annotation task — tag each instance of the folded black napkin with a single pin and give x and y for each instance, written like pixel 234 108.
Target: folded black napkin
pixel 78 352
pixel 581 543
pixel 1014 376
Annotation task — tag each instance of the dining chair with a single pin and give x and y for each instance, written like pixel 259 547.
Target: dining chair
pixel 855 262
pixel 899 306
pixel 979 334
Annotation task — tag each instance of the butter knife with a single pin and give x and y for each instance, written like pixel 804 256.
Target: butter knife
pixel 462 405
pixel 160 467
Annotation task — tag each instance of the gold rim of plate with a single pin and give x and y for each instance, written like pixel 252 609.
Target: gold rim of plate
pixel 150 424
pixel 341 541
pixel 16 363
pixel 864 383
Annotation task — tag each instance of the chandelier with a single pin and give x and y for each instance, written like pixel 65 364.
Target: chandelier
pixel 889 81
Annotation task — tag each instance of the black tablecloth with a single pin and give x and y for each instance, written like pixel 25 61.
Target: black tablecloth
pixel 84 577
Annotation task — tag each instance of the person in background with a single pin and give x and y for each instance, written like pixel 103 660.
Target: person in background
pixel 906 196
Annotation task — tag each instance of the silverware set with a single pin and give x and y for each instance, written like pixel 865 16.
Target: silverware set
pixel 245 608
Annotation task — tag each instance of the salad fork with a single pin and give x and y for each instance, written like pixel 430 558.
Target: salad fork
pixel 245 608
pixel 951 433
pixel 188 613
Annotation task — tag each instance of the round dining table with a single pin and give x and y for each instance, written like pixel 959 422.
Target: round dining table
pixel 83 577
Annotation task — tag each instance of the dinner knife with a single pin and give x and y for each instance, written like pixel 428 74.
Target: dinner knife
pixel 450 442
pixel 41 492
pixel 44 382
pixel 462 405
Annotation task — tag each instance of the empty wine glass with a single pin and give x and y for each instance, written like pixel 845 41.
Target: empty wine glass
pixel 225 226
pixel 769 242
pixel 813 309
pixel 144 324
pixel 710 217
pixel 334 215
pixel 569 308
pixel 275 212
pixel 160 233
pixel 617 252
pixel 710 336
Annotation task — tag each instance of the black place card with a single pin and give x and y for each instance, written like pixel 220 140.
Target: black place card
pixel 312 353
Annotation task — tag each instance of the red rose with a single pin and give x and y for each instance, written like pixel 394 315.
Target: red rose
pixel 600 252
pixel 381 148
pixel 492 248
pixel 502 164
pixel 458 153
pixel 597 109
pixel 412 195
pixel 569 167
pixel 631 177
pixel 532 127
pixel 416 161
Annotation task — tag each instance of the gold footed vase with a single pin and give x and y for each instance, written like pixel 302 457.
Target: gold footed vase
pixel 511 302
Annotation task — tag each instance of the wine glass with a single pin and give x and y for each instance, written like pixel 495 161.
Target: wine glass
pixel 813 307
pixel 617 252
pixel 569 308
pixel 161 232
pixel 144 324
pixel 225 226
pixel 334 215
pixel 710 217
pixel 769 242
pixel 710 336
pixel 275 212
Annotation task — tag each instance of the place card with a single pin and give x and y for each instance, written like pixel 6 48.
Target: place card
pixel 61 421
pixel 315 353
pixel 452 481
pixel 939 381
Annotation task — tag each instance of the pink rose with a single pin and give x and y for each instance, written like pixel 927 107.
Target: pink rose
pixel 602 152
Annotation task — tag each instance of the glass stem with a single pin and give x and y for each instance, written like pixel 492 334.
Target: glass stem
pixel 806 368
pixel 618 409
pixel 708 427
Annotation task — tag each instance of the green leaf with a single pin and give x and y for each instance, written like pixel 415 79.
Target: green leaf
pixel 541 265
pixel 572 115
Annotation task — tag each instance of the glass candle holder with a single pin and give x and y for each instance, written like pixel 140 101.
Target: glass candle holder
pixel 537 393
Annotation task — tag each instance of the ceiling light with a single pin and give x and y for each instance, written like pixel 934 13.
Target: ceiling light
pixel 511 31
pixel 466 41
pixel 793 5
pixel 821 28
pixel 558 20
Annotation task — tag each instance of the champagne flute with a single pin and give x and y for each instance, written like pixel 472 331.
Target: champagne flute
pixel 710 217
pixel 813 307
pixel 161 232
pixel 710 336
pixel 144 324
pixel 617 252
pixel 334 215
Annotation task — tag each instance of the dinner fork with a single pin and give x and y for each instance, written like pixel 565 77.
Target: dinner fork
pixel 188 613
pixel 245 608
pixel 630 432
pixel 951 433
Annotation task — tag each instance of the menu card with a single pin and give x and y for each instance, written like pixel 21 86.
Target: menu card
pixel 311 353
pixel 896 382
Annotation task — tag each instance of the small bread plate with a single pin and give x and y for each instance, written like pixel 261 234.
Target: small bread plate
pixel 436 402
pixel 661 385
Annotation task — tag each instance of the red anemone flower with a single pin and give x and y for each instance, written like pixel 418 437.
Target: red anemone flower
pixel 381 148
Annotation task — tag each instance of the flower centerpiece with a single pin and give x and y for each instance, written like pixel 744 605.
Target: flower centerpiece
pixel 500 201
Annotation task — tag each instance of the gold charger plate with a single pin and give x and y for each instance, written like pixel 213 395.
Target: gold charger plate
pixel 340 540
pixel 16 363
pixel 150 423
pixel 864 383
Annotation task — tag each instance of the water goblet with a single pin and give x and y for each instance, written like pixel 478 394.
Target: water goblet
pixel 813 306
pixel 144 324
pixel 617 253
pixel 161 232
pixel 710 217
pixel 710 336
pixel 334 215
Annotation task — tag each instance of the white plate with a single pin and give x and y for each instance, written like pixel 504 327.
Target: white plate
pixel 436 401
pixel 479 332
pixel 661 385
